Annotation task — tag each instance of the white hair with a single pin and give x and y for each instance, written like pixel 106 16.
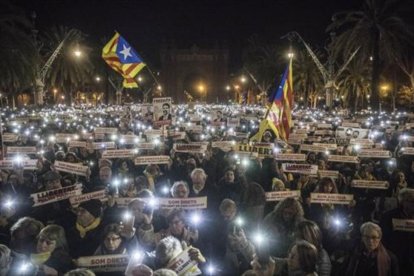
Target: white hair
pixel 198 171
pixel 370 226
pixel 177 184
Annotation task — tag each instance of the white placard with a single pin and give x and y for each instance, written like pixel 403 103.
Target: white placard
pixel 223 145
pixel 233 122
pixel 407 151
pixel 290 157
pixel 10 137
pixel 348 124
pixel 129 139
pixel 21 150
pixel 300 168
pixel 331 198
pixel 326 173
pixel 327 146
pixel 189 148
pixel 370 184
pixel 77 144
pixel 406 225
pixel 183 265
pixel 156 159
pixel 50 196
pixel 104 263
pixel 321 126
pixel 105 130
pixel 294 141
pixel 343 159
pixel 312 148
pixel 190 203
pixel 119 153
pixel 349 132
pixel 103 145
pixel 281 195
pixel 145 146
pixel 10 164
pixel 76 200
pixel 74 168
pixel 64 137
pixel 361 142
pixel 374 154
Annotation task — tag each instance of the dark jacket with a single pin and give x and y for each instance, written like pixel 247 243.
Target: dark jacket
pixel 87 245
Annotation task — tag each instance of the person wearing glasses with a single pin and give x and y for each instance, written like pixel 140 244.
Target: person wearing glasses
pixel 370 257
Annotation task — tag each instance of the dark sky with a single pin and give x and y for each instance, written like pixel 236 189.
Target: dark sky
pixel 146 24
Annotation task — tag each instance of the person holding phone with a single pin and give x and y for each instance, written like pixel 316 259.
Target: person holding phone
pixel 119 238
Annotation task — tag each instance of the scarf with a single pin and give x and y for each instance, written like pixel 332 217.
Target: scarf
pixel 83 230
pixel 383 261
pixel 40 258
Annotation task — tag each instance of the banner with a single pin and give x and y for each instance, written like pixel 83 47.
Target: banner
pixel 153 133
pixel 406 225
pixel 294 141
pixel 322 132
pixel 65 137
pixel 279 196
pixel 290 157
pixel 194 128
pixel 50 196
pixel 324 126
pixel 103 145
pixel 361 142
pixel 104 263
pixel 189 148
pixel 10 164
pixel 407 151
pixel 298 136
pixel 106 130
pixel 300 168
pixel 348 124
pixel 370 184
pixel 223 145
pixel 374 154
pixel 162 111
pixel 312 148
pixel 343 158
pixel 76 200
pixel 349 132
pixel 118 153
pixel 145 146
pixel 300 131
pixel 21 150
pixel 327 146
pixel 262 150
pixel 325 173
pixel 129 139
pixel 10 137
pixel 331 198
pixel 77 144
pixel 189 203
pixel 233 122
pixel 155 159
pixel 73 168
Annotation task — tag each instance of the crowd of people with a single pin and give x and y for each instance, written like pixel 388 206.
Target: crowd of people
pixel 101 191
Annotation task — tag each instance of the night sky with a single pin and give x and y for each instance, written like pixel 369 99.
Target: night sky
pixel 147 24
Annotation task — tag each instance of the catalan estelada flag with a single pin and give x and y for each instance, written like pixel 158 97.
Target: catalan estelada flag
pixel 278 118
pixel 121 57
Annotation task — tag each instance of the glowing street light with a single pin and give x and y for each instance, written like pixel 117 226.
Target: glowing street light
pixel 290 55
pixel 98 78
pixel 140 79
pixel 77 53
pixel 243 79
pixel 228 87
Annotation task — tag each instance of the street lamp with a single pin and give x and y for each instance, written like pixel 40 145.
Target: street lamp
pixel 77 53
pixel 290 55
pixel 228 87
pixel 98 78
pixel 201 88
pixel 243 79
pixel 140 79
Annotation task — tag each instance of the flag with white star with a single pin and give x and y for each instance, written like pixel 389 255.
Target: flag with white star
pixel 121 57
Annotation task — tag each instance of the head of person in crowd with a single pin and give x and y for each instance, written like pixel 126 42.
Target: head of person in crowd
pixel 190 165
pixel 278 185
pixel 288 212
pixel 23 234
pixel 398 180
pixel 141 183
pixel 127 187
pixel 229 175
pixel 302 258
pixel 167 249
pixel 311 158
pixel 309 231
pixel 152 170
pixel 71 157
pixel 321 164
pixel 124 166
pixel 254 195
pixel 51 238
pixel 371 235
pixel 42 165
pixel 406 201
pixel 113 242
pixel 5 260
pixel 52 180
pixel 228 209
pixel 60 155
pixel 89 213
pixel 105 175
pixel 139 208
pixel 180 189
pixel 327 186
pixel 80 272
pixel 105 163
pixel 176 222
pixel 198 178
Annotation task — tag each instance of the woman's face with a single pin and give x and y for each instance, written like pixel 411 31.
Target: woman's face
pixel 288 214
pixel 229 176
pixel 176 226
pixel 293 259
pixel 45 245
pixel 327 188
pixel 371 239
pixel 401 177
pixel 112 241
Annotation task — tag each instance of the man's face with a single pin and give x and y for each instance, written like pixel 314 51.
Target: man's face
pixel 176 226
pixel 105 175
pixel 53 184
pixel 199 181
pixel 165 109
pixel 180 192
pixel 228 214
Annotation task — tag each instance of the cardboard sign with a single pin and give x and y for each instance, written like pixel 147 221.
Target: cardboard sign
pixel 245 155
pixel 352 125
pixel 103 145
pixel 349 132
pixel 145 146
pixel 118 153
pixel 162 111
pixel 21 150
pixel 128 139
pixel 77 144
pixel 10 137
pixel 300 168
pixel 279 196
pixel 290 157
pixel 300 131
pixel 46 197
pixel 233 122
pixel 73 168
pixel 106 130
pixel 361 142
pixel 182 264
pixel 223 145
pixel 343 159
pixel 409 138
pixel 374 154
pixel 406 225
pixel 156 159
pixel 262 150
pixel 177 135
pixel 326 173
pixel 321 126
pixel 312 148
pixel 123 201
pixel 407 151
pixel 298 136
pixel 191 148
pixel 331 198
pixel 370 184
pixel 323 132
pixel 294 141
pixel 328 146
pixel 65 137
pixel 194 128
pixel 153 132
pixel 76 200
pixel 190 203
pixel 104 263
pixel 10 164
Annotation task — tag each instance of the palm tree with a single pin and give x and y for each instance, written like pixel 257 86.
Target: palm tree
pixel 307 79
pixel 68 71
pixel 18 53
pixel 354 84
pixel 377 29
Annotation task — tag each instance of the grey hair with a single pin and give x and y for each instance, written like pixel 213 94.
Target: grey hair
pixel 4 257
pixel 405 193
pixel 164 272
pixel 370 226
pixel 80 272
pixel 198 171
pixel 178 183
pixel 168 248
pixel 226 204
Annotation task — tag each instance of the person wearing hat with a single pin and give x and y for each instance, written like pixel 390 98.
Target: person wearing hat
pixel 85 237
pixel 51 180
